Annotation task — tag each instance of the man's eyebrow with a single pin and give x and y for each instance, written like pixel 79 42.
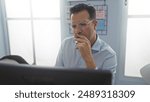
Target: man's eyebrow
pixel 79 21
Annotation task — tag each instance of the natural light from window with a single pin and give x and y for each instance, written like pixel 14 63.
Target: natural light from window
pixel 34 29
pixel 138 37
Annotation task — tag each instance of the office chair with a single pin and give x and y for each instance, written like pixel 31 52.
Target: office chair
pixel 13 59
pixel 145 72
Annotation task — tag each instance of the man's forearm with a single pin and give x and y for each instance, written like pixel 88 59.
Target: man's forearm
pixel 90 63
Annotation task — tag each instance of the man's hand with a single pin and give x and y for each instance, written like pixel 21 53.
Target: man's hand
pixel 84 46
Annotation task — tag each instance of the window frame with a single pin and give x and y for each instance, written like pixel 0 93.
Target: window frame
pixel 6 31
pixel 134 16
pixel 121 78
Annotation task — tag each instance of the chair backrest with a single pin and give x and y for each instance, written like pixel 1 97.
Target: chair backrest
pixel 145 72
pixel 13 59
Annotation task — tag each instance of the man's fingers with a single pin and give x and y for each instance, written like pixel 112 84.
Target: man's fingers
pixel 80 36
pixel 79 40
pixel 79 45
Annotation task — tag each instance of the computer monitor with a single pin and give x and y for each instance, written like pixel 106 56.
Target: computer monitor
pixel 21 74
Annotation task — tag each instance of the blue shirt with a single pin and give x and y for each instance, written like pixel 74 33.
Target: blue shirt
pixel 104 56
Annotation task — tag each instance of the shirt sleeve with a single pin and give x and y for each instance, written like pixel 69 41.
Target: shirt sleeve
pixel 110 64
pixel 59 59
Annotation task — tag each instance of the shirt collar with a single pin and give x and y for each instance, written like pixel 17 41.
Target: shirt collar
pixel 97 45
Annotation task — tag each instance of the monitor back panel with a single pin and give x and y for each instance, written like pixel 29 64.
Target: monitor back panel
pixel 11 74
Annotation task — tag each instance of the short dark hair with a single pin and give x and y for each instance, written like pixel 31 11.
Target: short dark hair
pixel 80 7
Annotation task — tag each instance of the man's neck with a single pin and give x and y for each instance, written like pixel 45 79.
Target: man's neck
pixel 94 40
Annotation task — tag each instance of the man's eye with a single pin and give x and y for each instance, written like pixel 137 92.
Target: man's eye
pixel 73 26
pixel 83 24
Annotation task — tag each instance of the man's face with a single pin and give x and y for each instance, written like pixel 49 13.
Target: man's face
pixel 81 24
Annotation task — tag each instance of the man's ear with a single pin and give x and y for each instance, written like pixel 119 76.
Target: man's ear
pixel 95 24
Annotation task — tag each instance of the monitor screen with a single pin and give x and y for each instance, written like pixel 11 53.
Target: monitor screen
pixel 21 74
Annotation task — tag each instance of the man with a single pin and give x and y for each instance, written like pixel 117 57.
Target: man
pixel 85 49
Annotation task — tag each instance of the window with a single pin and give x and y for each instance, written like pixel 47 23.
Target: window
pixel 138 37
pixel 34 29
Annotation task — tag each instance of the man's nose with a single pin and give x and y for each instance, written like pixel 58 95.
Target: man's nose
pixel 77 30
